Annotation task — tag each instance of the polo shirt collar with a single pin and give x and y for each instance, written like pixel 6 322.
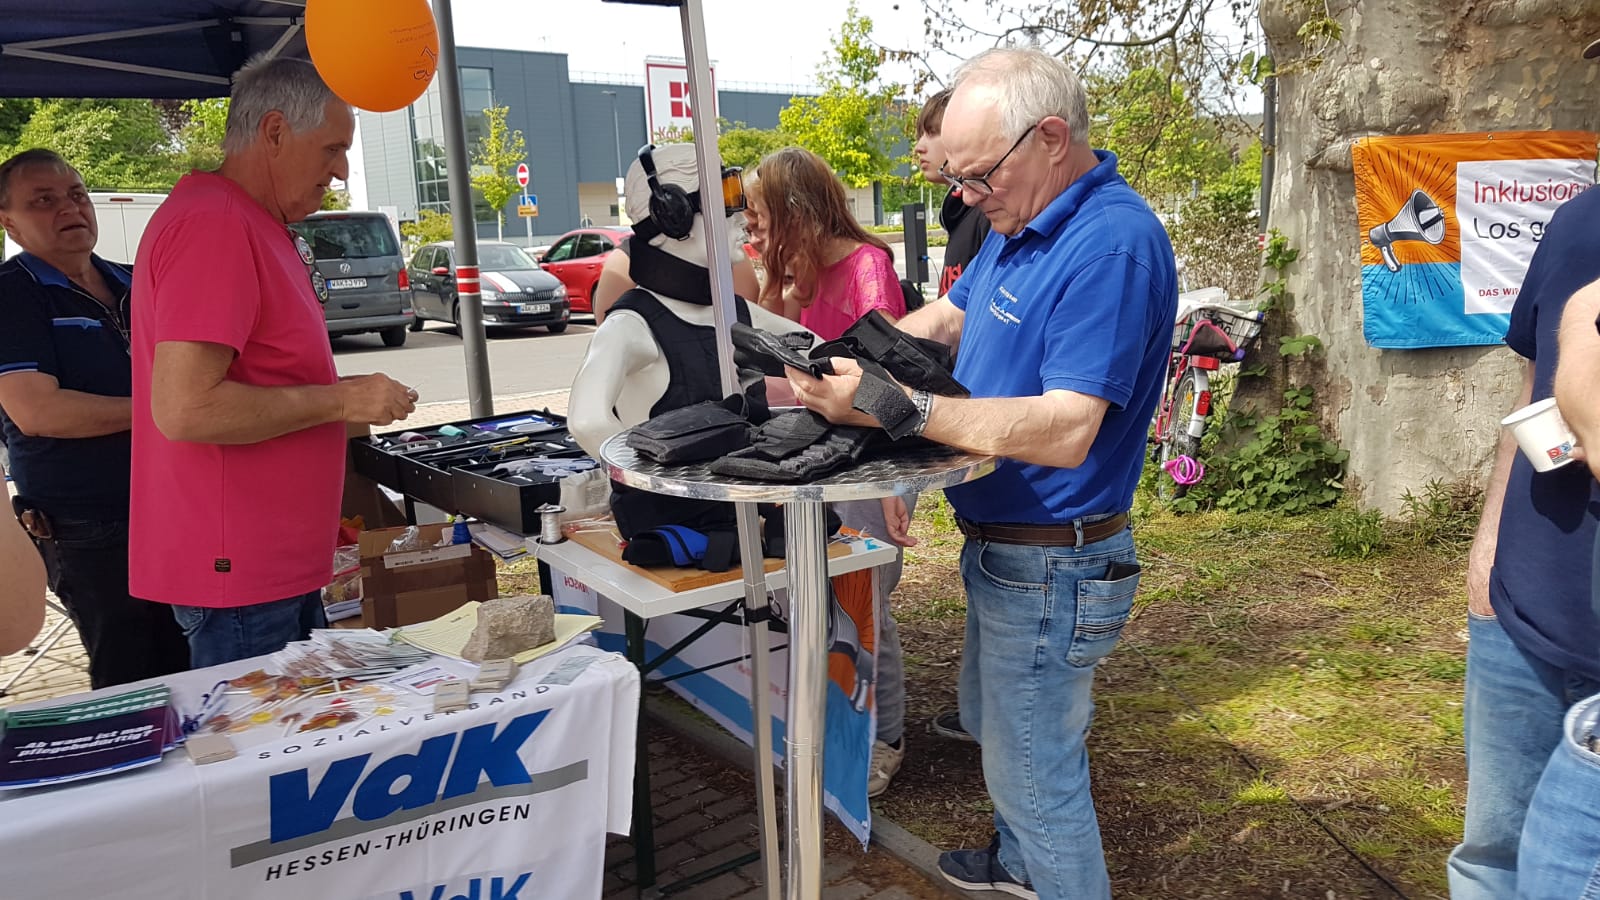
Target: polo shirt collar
pixel 1067 202
pixel 44 273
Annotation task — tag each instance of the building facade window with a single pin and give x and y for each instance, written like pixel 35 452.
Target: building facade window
pixel 427 130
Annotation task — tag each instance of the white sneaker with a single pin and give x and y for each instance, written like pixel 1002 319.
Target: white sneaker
pixel 886 762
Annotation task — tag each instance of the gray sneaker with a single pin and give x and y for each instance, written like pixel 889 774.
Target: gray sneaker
pixel 948 724
pixel 886 762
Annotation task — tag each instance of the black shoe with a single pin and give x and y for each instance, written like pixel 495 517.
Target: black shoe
pixel 980 870
pixel 948 724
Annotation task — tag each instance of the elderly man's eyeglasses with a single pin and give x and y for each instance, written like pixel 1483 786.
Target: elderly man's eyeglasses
pixel 979 185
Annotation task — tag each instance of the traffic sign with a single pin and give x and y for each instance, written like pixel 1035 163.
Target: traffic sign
pixel 528 206
pixel 522 174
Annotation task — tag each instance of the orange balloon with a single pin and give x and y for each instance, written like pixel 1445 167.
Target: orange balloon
pixel 377 55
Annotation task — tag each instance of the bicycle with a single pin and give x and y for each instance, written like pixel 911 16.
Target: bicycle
pixel 1209 332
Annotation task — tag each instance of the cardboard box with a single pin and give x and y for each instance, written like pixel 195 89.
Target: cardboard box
pixel 418 585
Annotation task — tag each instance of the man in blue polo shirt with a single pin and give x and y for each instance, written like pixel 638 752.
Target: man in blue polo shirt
pixel 65 414
pixel 1063 324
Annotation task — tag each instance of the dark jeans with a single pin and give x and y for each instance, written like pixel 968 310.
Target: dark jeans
pixel 219 635
pixel 127 638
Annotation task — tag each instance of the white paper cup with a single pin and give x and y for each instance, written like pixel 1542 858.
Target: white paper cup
pixel 1542 434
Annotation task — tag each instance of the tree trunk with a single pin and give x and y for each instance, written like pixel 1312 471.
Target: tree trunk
pixel 500 226
pixel 1405 67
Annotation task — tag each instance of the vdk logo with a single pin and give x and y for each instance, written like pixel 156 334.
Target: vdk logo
pixel 498 890
pixel 430 774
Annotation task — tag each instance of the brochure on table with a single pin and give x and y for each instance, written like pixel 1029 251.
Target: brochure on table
pixel 723 693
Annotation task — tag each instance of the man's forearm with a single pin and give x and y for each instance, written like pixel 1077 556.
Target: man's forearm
pixel 1487 536
pixel 236 413
pixel 1054 430
pixel 1577 385
pixel 939 321
pixel 75 414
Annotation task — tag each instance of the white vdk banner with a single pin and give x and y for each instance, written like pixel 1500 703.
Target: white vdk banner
pixel 510 799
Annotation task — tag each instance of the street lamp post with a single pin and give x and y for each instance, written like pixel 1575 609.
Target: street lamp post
pixel 616 134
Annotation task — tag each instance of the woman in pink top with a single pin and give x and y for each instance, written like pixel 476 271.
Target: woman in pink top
pixel 825 271
pixel 822 268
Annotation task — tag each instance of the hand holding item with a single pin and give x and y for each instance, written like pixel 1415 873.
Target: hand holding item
pixel 375 399
pixel 831 396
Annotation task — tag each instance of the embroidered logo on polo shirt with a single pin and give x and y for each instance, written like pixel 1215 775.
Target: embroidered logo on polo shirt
pixel 222 564
pixel 1001 307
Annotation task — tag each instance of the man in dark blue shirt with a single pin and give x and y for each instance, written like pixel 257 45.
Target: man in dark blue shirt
pixel 1533 642
pixel 1064 323
pixel 65 414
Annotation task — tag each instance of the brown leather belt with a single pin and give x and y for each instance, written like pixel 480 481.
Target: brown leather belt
pixel 1044 535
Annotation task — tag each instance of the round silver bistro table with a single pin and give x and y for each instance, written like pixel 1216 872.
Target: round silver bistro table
pixel 920 466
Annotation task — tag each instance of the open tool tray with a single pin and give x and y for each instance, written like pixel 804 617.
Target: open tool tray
pixel 422 469
pixel 509 499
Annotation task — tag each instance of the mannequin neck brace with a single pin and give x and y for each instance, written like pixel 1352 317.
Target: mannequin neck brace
pixel 661 272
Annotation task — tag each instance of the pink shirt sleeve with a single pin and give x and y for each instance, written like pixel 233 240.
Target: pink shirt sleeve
pixel 877 285
pixel 207 288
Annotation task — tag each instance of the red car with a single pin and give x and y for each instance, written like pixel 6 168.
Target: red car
pixel 576 258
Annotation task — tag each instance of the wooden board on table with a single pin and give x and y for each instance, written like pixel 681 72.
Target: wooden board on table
pixel 674 579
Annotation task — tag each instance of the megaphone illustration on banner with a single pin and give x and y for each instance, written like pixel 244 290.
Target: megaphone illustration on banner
pixel 1420 219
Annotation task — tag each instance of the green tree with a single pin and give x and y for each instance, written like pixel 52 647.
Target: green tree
pixel 14 114
pixel 1166 144
pixel 200 137
pixel 494 163
pixel 855 122
pixel 1215 233
pixel 429 227
pixel 741 145
pixel 114 144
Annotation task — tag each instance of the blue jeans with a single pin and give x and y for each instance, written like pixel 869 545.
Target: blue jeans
pixel 219 635
pixel 1038 620
pixel 1513 711
pixel 1560 854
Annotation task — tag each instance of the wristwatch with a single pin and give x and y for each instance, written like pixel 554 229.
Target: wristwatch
pixel 923 401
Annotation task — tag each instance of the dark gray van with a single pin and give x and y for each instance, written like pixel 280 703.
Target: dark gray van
pixel 358 255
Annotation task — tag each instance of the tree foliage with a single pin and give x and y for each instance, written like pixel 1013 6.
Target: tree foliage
pixel 857 120
pixel 741 145
pixel 494 163
pixel 114 144
pixel 1215 232
pixel 199 137
pixel 1145 112
pixel 430 227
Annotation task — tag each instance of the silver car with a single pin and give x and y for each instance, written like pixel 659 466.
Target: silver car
pixel 358 257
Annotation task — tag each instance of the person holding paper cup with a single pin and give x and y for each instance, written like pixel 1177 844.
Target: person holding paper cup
pixel 1531 653
pixel 1560 850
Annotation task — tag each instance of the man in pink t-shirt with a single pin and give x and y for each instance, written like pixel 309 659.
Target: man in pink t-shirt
pixel 238 414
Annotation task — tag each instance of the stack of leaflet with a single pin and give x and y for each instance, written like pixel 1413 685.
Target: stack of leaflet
pixel 87 738
pixel 355 653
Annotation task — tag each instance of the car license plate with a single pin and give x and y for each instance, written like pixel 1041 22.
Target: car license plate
pixel 335 284
pixel 529 309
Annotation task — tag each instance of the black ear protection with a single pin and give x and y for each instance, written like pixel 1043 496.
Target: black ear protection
pixel 671 207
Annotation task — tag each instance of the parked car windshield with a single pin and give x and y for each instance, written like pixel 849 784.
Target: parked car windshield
pixel 360 237
pixel 503 258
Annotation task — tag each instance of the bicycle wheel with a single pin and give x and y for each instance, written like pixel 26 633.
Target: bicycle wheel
pixel 1181 438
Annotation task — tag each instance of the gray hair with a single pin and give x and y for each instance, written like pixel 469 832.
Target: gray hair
pixel 265 83
pixel 1034 85
pixel 37 156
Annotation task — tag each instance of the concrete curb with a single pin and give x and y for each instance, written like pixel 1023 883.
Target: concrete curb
pixel 895 840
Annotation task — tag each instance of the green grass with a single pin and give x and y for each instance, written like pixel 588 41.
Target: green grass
pixel 1339 677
